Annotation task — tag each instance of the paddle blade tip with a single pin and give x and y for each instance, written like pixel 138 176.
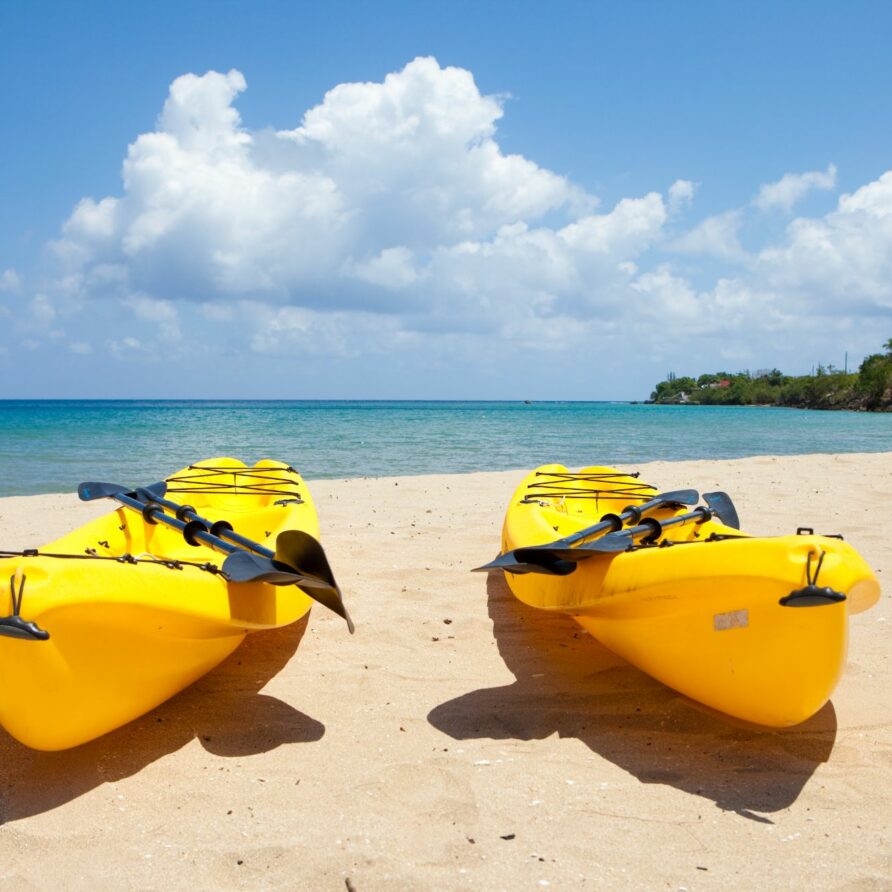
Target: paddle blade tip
pixel 330 597
pixel 613 543
pixel 681 496
pixel 721 505
pixel 89 492
pixel 492 566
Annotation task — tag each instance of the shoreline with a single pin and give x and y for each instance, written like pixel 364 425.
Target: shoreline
pixel 461 740
pixel 519 473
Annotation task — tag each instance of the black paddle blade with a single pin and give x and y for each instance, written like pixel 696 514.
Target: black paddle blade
pixel 303 553
pixel 519 560
pixel 612 543
pixel 721 505
pixel 154 490
pixel 542 564
pixel 553 561
pixel 243 566
pixel 609 544
pixel 89 492
pixel 510 563
pixel 502 562
pixel 678 497
pixel 505 561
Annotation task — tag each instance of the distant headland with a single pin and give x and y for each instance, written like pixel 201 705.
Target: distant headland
pixel 867 390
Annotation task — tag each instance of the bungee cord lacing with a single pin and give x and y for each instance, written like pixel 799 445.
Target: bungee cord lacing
pixel 567 485
pixel 244 481
pixel 126 558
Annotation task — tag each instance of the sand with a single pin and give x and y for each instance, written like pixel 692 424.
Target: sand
pixel 463 741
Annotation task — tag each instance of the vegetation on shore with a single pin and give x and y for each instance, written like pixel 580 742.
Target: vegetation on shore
pixel 869 389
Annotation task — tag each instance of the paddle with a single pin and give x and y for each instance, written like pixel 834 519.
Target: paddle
pixel 649 530
pixel 221 528
pixel 298 559
pixel 551 557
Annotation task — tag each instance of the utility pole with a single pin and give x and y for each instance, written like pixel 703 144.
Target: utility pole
pixel 847 362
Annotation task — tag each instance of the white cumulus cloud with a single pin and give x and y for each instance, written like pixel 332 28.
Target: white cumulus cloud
pixel 388 198
pixel 842 258
pixel 388 224
pixel 308 216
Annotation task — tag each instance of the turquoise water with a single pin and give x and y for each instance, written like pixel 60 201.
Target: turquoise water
pixel 51 446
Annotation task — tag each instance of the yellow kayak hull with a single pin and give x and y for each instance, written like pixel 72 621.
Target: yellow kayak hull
pixel 123 636
pixel 702 613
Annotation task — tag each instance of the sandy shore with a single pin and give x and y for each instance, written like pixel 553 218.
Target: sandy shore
pixel 463 741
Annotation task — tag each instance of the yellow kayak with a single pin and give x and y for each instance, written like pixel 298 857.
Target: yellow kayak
pixel 115 617
pixel 756 627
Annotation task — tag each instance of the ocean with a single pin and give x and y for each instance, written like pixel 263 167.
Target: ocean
pixel 51 446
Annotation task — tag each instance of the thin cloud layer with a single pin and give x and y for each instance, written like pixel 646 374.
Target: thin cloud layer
pixel 10 282
pixel 717 236
pixel 791 188
pixel 390 222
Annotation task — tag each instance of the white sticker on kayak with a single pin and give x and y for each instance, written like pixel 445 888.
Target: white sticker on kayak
pixel 736 619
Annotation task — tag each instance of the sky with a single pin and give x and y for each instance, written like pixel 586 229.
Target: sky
pixel 362 200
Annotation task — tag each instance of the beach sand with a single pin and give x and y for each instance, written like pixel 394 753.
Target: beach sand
pixel 461 740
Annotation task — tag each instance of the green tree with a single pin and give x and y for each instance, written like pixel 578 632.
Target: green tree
pixel 875 377
pixel 826 388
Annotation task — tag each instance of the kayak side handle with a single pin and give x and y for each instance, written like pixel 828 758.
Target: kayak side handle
pixel 13 626
pixel 16 627
pixel 812 596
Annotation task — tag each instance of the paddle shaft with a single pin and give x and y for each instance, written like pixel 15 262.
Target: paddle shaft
pixel 609 523
pixel 221 529
pixel 652 528
pixel 522 559
pixel 614 522
pixel 193 531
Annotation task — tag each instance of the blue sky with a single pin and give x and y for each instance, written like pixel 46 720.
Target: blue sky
pixel 457 200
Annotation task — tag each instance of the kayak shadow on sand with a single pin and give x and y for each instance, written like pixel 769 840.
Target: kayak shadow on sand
pixel 567 683
pixel 224 711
